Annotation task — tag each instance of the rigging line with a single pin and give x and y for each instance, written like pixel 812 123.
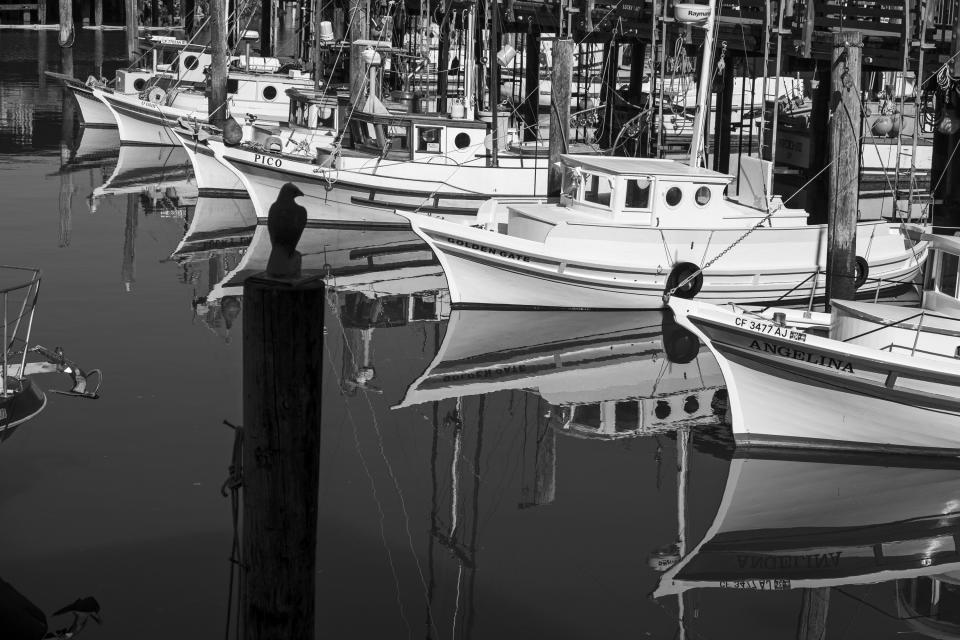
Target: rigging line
pixel 373 485
pixel 390 471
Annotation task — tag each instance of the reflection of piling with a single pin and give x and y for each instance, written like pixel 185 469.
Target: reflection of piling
pixel 128 270
pixel 545 478
pixel 282 356
pixel 844 190
pixel 813 614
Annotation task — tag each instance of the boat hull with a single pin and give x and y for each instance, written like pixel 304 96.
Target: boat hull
pixel 367 192
pixel 771 264
pixel 142 122
pixel 26 402
pixel 790 388
pixel 214 178
pixel 93 111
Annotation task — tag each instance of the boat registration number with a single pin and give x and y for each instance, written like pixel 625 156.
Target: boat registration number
pixel 771 329
pixel 779 584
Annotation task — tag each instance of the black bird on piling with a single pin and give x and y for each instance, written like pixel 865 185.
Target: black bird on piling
pixel 285 224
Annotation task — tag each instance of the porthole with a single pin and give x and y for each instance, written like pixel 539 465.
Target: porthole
pixel 269 92
pixel 674 196
pixel 702 196
pixel 191 62
pixel 139 84
pixel 462 140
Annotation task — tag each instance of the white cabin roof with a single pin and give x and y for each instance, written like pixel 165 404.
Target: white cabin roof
pixel 945 243
pixel 644 166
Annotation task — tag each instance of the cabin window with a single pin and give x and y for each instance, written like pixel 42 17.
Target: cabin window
pixel 269 92
pixel 597 189
pixel 328 118
pixel 638 193
pixel 233 85
pixel 462 140
pixel 191 63
pixel 674 196
pixel 949 266
pixel 702 196
pixel 428 139
pixel 139 84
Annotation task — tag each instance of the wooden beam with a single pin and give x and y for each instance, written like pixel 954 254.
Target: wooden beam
pixel 66 24
pixel 561 78
pixel 133 26
pixel 843 193
pixel 282 410
pixel 217 98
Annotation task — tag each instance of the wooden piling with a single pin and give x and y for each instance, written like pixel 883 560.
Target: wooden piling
pixel 358 20
pixel 66 24
pixel 266 27
pixel 531 85
pixel 561 78
pixel 217 98
pixel 154 12
pixel 843 193
pixel 133 28
pixel 945 165
pixel 282 377
pixel 189 17
pixel 98 13
pixel 721 132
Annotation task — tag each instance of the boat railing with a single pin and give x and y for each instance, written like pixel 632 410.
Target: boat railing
pixel 18 302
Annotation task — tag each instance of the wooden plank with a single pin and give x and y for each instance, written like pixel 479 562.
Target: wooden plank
pixel 19 7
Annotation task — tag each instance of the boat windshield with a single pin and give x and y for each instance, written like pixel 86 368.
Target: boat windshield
pixel 944 277
pixel 597 189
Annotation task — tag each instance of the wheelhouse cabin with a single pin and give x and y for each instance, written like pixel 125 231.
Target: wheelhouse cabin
pixel 941 283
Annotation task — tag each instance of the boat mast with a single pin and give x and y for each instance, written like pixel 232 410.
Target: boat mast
pixel 494 82
pixel 776 100
pixel 703 89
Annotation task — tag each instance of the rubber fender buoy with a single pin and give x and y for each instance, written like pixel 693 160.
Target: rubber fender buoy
pixel 156 95
pixel 681 271
pixel 861 272
pixel 679 345
pixel 273 143
pixel 232 132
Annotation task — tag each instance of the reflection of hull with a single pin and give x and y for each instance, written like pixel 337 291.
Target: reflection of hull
pixel 818 522
pixel 142 169
pixel 621 360
pixel 378 262
pixel 218 224
pixel 867 396
pixel 97 144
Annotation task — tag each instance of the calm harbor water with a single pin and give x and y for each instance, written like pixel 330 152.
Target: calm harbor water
pixel 483 474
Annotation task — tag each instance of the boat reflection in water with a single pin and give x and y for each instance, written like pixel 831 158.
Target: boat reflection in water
pixel 161 176
pixel 606 374
pixel 801 520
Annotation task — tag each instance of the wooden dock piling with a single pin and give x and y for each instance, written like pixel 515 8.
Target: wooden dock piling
pixel 945 169
pixel 133 27
pixel 843 193
pixel 217 98
pixel 66 24
pixel 282 377
pixel 561 78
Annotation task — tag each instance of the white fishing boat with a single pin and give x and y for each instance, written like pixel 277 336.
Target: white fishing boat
pixel 172 61
pixel 629 229
pixel 813 521
pixel 607 375
pixel 256 91
pixel 887 377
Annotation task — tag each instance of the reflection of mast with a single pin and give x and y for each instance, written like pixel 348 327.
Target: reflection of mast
pixel 128 269
pixel 683 458
pixel 457 536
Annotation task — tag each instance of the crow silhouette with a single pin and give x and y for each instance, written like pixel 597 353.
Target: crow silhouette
pixel 285 224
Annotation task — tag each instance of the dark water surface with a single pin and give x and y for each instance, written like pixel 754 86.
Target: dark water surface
pixel 528 487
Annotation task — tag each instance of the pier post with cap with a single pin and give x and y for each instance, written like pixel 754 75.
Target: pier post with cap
pixel 561 79
pixel 843 193
pixel 282 379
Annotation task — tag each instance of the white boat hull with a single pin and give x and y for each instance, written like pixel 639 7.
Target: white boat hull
pixel 93 111
pixel 771 264
pixel 142 122
pixel 367 192
pixel 803 390
pixel 214 178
